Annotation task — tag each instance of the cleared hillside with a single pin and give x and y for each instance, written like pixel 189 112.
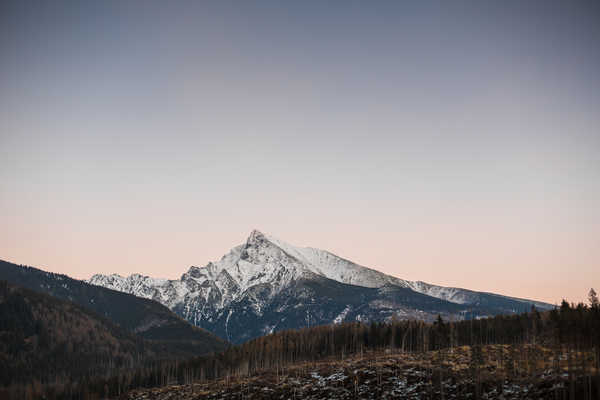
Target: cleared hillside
pixel 465 372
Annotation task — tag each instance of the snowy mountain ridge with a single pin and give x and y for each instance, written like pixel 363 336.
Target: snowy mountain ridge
pixel 266 278
pixel 256 262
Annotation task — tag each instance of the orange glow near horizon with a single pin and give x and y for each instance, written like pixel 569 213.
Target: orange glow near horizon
pixel 497 262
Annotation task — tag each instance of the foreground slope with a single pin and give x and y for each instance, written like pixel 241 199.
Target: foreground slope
pixel 143 317
pixel 378 375
pixel 266 285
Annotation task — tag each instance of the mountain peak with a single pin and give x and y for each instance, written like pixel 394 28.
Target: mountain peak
pixel 257 236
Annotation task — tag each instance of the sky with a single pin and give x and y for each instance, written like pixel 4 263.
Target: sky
pixel 456 143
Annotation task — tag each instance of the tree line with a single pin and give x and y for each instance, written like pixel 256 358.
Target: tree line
pixel 568 329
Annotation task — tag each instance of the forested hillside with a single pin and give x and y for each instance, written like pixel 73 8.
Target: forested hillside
pixel 142 317
pixel 51 345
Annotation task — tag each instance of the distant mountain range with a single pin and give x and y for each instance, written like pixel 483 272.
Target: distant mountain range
pixel 267 285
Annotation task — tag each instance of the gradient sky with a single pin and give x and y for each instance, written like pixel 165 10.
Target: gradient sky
pixel 451 142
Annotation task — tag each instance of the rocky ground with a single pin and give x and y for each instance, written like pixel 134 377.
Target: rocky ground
pixel 379 376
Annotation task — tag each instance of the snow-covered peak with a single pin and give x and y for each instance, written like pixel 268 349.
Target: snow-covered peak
pixel 324 263
pixel 263 261
pixel 255 236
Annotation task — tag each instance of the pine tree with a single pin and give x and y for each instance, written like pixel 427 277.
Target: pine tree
pixel 593 298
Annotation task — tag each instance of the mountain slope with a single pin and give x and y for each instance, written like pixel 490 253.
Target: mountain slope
pixel 466 296
pixel 266 285
pixel 46 339
pixel 144 317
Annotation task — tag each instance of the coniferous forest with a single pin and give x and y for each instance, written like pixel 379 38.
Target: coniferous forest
pixel 54 349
